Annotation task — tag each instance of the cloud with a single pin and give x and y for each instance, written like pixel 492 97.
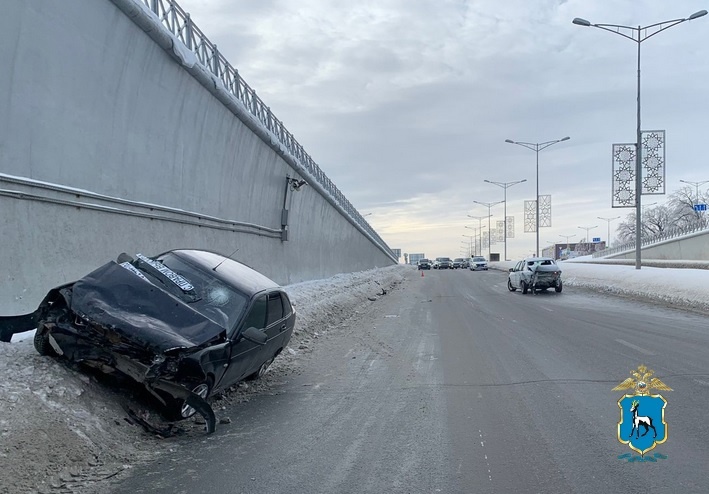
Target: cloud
pixel 406 104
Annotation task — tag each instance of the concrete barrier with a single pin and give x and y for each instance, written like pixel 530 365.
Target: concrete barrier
pixel 108 144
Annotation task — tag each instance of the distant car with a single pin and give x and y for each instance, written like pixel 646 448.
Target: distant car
pixel 443 263
pixel 424 264
pixel 186 324
pixel 478 263
pixel 533 274
pixel 458 262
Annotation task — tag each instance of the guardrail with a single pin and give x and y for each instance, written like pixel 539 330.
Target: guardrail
pixel 669 234
pixel 179 23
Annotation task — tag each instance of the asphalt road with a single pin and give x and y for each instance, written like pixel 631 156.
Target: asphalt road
pixel 452 384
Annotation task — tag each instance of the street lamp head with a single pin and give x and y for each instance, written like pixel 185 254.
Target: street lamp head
pixel 486 180
pixel 566 138
pixel 697 15
pixel 581 22
pixel 510 141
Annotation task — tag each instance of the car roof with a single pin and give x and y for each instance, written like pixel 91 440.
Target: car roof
pixel 238 275
pixel 538 259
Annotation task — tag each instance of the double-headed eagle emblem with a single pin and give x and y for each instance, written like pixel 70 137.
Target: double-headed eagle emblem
pixel 642 381
pixel 640 410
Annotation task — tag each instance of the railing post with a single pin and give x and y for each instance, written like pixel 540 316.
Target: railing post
pixel 154 7
pixel 188 32
pixel 215 60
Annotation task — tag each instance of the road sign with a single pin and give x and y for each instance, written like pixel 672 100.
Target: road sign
pixel 700 207
pixel 596 240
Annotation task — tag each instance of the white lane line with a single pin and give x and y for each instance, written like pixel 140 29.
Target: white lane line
pixel 546 308
pixel 635 347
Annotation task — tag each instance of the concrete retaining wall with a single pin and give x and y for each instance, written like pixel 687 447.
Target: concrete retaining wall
pixel 88 101
pixel 691 247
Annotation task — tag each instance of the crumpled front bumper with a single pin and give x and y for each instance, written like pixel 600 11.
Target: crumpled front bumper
pixel 70 343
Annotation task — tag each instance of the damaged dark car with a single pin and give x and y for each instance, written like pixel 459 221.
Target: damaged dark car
pixel 186 324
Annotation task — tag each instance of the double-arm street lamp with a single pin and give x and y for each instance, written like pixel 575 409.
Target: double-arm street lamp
pixel 587 228
pixel 638 35
pixel 505 186
pixel 480 229
pixel 696 186
pixel 470 244
pixel 489 206
pixel 567 237
pixel 536 147
pixel 608 220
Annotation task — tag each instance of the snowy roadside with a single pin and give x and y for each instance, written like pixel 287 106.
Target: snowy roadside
pixel 61 430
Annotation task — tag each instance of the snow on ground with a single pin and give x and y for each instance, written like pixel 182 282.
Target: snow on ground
pixel 64 430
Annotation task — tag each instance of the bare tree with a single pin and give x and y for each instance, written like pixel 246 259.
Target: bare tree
pixel 678 212
pixel 682 203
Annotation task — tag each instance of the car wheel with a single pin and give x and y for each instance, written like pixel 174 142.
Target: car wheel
pixel 41 342
pixel 524 288
pixel 262 369
pixel 558 288
pixel 202 390
pixel 510 287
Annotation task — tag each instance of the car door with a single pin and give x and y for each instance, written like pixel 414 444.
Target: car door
pixel 244 353
pixel 515 274
pixel 276 324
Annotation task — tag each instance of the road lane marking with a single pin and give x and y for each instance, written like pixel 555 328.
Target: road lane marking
pixel 634 347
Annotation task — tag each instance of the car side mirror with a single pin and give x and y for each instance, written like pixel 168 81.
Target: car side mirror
pixel 123 257
pixel 512 269
pixel 254 336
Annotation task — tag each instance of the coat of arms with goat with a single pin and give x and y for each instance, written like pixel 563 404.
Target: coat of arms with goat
pixel 642 423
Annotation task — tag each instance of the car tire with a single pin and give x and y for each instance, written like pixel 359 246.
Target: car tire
pixel 261 370
pixel 524 287
pixel 558 288
pixel 41 342
pixel 179 410
pixel 510 287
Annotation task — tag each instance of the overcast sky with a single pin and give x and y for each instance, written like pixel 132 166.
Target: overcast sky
pixel 406 104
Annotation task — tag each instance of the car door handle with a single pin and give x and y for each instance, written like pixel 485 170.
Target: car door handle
pixel 283 328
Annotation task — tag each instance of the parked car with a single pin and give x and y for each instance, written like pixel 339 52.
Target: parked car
pixel 535 273
pixel 443 263
pixel 478 263
pixel 424 264
pixel 186 324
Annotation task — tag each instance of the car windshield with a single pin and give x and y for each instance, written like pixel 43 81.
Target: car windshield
pixel 206 294
pixel 479 259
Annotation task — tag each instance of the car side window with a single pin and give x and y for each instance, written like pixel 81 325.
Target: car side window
pixel 257 314
pixel 275 308
pixel 287 309
pixel 518 267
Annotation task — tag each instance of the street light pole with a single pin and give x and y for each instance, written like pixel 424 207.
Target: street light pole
pixel 489 206
pixel 480 229
pixel 638 35
pixel 536 147
pixel 505 185
pixel 587 228
pixel 696 186
pixel 608 220
pixel 567 237
pixel 470 240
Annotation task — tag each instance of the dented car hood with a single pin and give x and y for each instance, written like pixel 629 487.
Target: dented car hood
pixel 115 298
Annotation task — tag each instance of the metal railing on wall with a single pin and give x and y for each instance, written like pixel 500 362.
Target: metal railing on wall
pixel 179 23
pixel 669 234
